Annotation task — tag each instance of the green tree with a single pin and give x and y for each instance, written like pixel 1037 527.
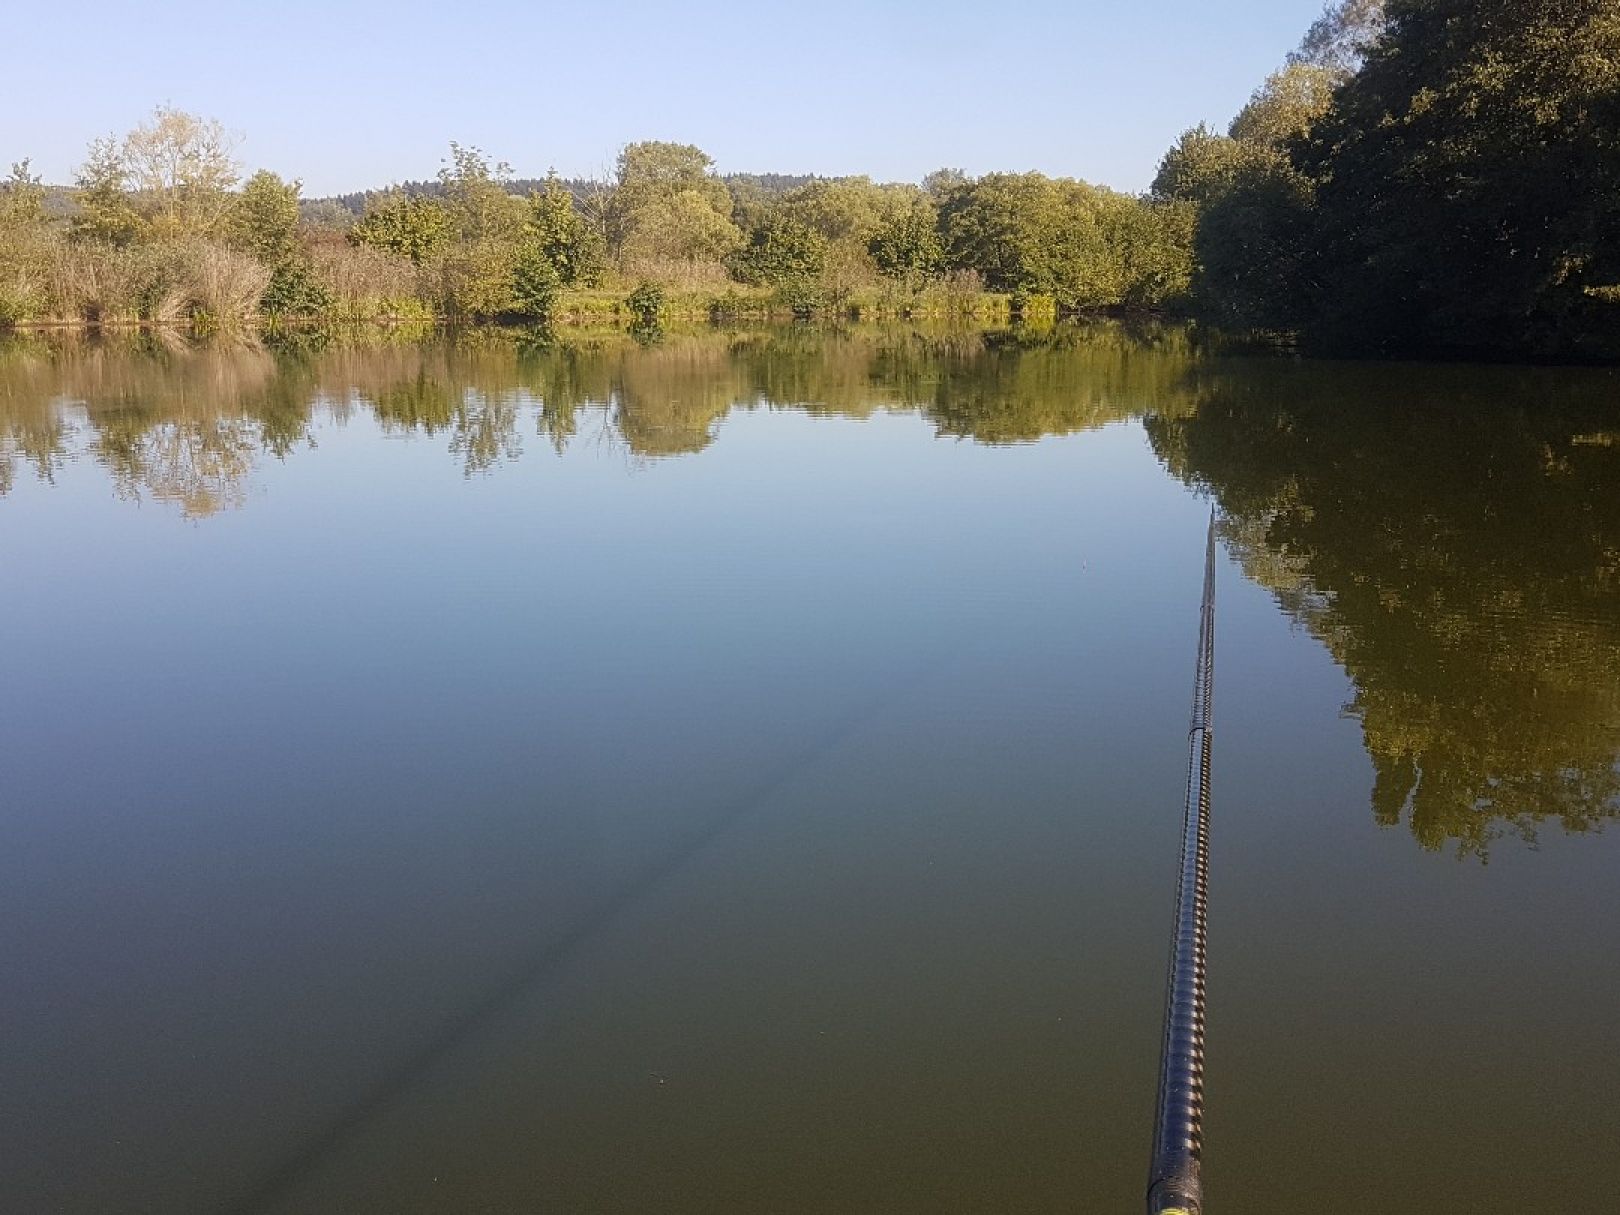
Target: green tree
pixel 263 222
pixel 474 280
pixel 682 226
pixel 410 225
pixel 535 282
pixel 1202 165
pixel 1252 225
pixel 22 199
pixel 1287 106
pixel 646 304
pixel 907 245
pixel 941 183
pixel 1468 180
pixel 263 218
pixel 668 205
pixel 1003 226
pixel 842 209
pixel 24 245
pixel 781 250
pixel 103 212
pixel 1253 244
pixel 555 231
pixel 1052 236
pixel 476 196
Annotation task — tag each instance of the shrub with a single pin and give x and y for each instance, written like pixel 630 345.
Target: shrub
pixel 535 282
pixel 780 250
pixel 295 291
pixel 802 297
pixel 365 284
pixel 646 305
pixel 223 284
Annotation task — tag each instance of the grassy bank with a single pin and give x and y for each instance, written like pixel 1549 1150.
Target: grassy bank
pixel 585 307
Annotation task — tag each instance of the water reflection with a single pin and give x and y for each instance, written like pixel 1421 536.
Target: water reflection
pixel 1452 536
pixel 184 423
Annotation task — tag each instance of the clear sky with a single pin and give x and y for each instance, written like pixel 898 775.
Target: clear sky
pixel 351 95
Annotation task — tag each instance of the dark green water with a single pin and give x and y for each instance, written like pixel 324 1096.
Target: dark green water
pixel 744 773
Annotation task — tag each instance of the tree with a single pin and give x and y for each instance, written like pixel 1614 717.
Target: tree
pixel 1003 226
pixel 781 250
pixel 941 183
pixel 1252 246
pixel 1339 39
pixel 535 282
pixel 263 218
pixel 413 226
pixel 263 222
pixel 1054 236
pixel 682 226
pixel 907 245
pixel 555 231
pixel 842 209
pixel 181 169
pixel 668 205
pixel 1287 106
pixel 476 197
pixel 104 212
pixel 1202 165
pixel 24 240
pixel 653 169
pixel 22 199
pixel 1469 182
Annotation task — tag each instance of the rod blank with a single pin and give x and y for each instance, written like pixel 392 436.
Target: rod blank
pixel 1176 1180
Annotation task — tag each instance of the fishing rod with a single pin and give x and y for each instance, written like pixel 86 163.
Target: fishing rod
pixel 1175 1183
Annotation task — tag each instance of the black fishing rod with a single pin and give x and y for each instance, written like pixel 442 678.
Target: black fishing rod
pixel 1176 1185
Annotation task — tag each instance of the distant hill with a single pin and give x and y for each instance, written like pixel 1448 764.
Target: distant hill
pixel 767 185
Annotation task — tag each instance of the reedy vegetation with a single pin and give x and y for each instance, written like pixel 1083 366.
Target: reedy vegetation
pixel 163 229
pixel 1420 174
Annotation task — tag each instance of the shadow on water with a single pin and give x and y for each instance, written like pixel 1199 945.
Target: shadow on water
pixel 531 978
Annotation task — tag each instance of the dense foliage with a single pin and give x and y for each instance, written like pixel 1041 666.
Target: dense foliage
pixel 159 224
pixel 1419 175
pixel 1423 175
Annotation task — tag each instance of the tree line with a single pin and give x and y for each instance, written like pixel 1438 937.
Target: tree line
pixel 161 227
pixel 1419 175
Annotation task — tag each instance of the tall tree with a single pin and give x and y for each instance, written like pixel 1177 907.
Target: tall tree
pixel 1469 181
pixel 669 205
pixel 1339 39
pixel 182 170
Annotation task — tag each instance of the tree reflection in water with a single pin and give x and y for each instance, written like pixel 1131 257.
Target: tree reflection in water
pixel 1450 534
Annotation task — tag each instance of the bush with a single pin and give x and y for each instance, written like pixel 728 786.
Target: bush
pixel 295 291
pixel 365 284
pixel 535 282
pixel 473 280
pixel 779 251
pixel 801 297
pixel 646 305
pixel 223 284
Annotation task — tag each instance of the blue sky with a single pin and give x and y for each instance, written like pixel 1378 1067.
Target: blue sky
pixel 350 95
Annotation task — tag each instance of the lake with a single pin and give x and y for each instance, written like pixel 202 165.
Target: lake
pixel 742 772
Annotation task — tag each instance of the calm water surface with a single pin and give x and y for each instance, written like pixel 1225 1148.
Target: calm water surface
pixel 743 773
